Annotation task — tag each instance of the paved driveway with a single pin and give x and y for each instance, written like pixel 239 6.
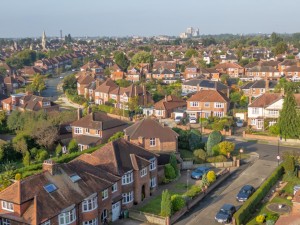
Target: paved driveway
pixel 206 210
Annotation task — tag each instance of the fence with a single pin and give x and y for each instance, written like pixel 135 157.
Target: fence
pixel 223 132
pixel 187 165
pixel 147 217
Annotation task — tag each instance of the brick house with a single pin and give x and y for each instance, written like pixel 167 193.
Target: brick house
pixel 152 136
pixel 117 73
pixel 95 67
pixel 165 107
pixel 133 75
pixel 206 103
pixel 136 167
pixel 28 102
pixel 83 82
pixel 95 128
pixel 191 72
pixel 258 87
pixel 271 63
pixel 293 72
pixel 70 193
pixel 194 85
pixel 170 65
pixel 211 73
pixel 263 72
pixel 232 69
pixel 161 74
pixel 287 63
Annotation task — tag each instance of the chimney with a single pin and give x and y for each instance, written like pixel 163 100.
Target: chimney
pixel 198 87
pixel 298 63
pixel 135 90
pixel 97 83
pixel 145 95
pixel 215 85
pixel 50 166
pixel 79 113
pixel 250 99
pixel 267 85
pixel 126 137
pixel 228 92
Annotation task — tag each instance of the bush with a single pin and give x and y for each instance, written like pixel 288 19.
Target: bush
pixel 26 159
pixel 273 217
pixel 205 180
pixel 243 214
pixel 74 97
pixel 289 164
pixel 177 202
pixel 274 129
pixel 183 139
pixel 226 147
pixel 116 136
pixel 18 176
pixel 58 150
pixel 42 155
pixel 214 138
pixel 169 171
pixel 193 191
pixel 73 146
pixel 173 163
pixel 215 159
pixel 270 222
pixel 260 219
pixel 211 176
pixel 195 139
pixel 166 204
pixel 216 150
pixel 200 154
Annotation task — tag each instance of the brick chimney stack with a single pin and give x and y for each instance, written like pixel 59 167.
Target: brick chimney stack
pixel 79 113
pixel 50 166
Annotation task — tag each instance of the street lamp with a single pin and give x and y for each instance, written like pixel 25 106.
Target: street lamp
pixel 278 146
pixel 187 180
pixel 278 159
pixel 241 151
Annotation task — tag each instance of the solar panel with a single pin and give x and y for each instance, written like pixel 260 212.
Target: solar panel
pixel 50 188
pixel 75 178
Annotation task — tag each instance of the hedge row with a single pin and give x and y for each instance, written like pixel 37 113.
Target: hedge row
pixel 74 97
pixel 111 109
pixel 248 208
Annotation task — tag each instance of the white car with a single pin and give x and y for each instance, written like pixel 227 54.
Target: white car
pixel 193 120
pixel 178 119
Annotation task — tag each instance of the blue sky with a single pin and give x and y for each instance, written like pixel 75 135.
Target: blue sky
pixel 28 18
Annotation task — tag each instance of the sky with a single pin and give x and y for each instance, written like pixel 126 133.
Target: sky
pixel 28 18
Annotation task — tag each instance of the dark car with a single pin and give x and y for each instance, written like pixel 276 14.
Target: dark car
pixel 245 193
pixel 225 213
pixel 198 173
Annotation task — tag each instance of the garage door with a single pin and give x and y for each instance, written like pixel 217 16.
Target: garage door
pixel 116 210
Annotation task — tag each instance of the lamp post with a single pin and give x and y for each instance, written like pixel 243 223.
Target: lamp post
pixel 201 120
pixel 278 146
pixel 187 180
pixel 278 159
pixel 241 151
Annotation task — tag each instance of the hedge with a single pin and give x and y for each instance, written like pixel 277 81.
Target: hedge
pixel 248 208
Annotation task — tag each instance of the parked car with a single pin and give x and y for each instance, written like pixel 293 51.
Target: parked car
pixel 198 173
pixel 239 123
pixel 225 213
pixel 178 119
pixel 245 193
pixel 193 120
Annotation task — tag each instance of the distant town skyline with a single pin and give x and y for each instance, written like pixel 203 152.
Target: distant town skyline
pixel 145 18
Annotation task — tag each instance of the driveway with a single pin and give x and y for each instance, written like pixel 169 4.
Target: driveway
pixel 205 211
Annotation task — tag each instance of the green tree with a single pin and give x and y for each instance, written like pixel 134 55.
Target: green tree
pixel 226 147
pixel 191 52
pixel 224 78
pixel 200 154
pixel 58 150
pixel 38 84
pixel 166 204
pixel 235 97
pixel 116 136
pixel 289 164
pixel 26 159
pixel 280 48
pixel 73 146
pixel 195 139
pixel 214 138
pixel 121 59
pixel 178 202
pixel 2 71
pixel 173 163
pixel 42 155
pixel 289 120
pixel 170 173
pixel 142 57
pixel 211 176
pixel 69 82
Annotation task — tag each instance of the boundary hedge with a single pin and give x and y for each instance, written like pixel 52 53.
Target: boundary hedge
pixel 248 208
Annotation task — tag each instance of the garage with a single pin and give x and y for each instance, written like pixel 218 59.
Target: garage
pixel 116 210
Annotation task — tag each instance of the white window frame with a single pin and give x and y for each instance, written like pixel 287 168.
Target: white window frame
pixel 91 222
pixel 152 164
pixel 8 206
pixel 194 104
pixel 127 197
pixel 152 142
pixel 219 114
pixel 67 217
pixel 104 215
pixel 253 122
pixel 153 182
pixel 78 130
pixel 46 223
pixel 104 194
pixel 87 130
pixel 255 110
pixel 219 105
pixel 5 221
pixel 127 178
pixel 114 188
pixel 143 172
pixel 90 204
pixel 206 104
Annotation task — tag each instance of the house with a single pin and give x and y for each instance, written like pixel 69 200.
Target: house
pixel 30 71
pixel 211 73
pixel 232 69
pixel 195 85
pixel 83 82
pixel 262 72
pixel 133 74
pixel 165 107
pixel 293 72
pixel 28 102
pixel 136 167
pixel 170 65
pixel 271 63
pixel 206 103
pixel 161 74
pixel 95 67
pixel 117 73
pixel 70 193
pixel 95 128
pixel 228 58
pixel 152 136
pixel 258 87
pixel 11 83
pixel 286 64
pixel 191 72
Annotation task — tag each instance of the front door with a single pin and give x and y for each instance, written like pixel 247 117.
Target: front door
pixel 116 210
pixel 260 124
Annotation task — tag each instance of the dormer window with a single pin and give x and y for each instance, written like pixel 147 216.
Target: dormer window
pixel 8 206
pixel 46 103
pixel 90 204
pixel 152 142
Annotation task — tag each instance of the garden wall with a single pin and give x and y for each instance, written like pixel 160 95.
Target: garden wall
pixel 223 132
pixel 119 117
pixel 187 165
pixel 147 217
pixel 270 138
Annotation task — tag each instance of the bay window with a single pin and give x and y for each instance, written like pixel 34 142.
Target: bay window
pixel 90 204
pixel 127 178
pixel 67 217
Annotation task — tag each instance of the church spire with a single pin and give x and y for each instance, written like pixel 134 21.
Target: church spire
pixel 44 41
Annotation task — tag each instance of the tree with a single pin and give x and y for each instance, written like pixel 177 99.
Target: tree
pixel 2 71
pixel 166 204
pixel 121 59
pixel 289 164
pixel 195 139
pixel 116 136
pixel 58 150
pixel 226 147
pixel 45 134
pixel 177 202
pixel 280 48
pixel 200 154
pixel 123 83
pixel 289 120
pixel 211 176
pixel 73 146
pixel 214 138
pixel 69 82
pixel 275 39
pixel 42 155
pixel 38 84
pixel 191 52
pixel 204 180
pixel 224 78
pixel 26 159
pixel 173 163
pixel 235 97
pixel 133 104
pixel 142 57
pixel 170 173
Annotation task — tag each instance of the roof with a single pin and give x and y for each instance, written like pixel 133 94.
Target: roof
pixel 98 121
pixel 170 102
pixel 149 128
pixel 266 99
pixel 85 79
pixel 209 96
pixel 259 84
pixel 206 84
pixel 228 65
pixel 263 69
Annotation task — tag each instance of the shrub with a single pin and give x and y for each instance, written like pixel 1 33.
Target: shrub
pixel 214 138
pixel 211 176
pixel 200 154
pixel 177 202
pixel 166 204
pixel 58 150
pixel 216 150
pixel 289 164
pixel 173 163
pixel 215 159
pixel 242 215
pixel 169 171
pixel 226 147
pixel 183 139
pixel 274 129
pixel 116 136
pixel 73 146
pixel 18 176
pixel 42 155
pixel 205 180
pixel 270 222
pixel 260 219
pixel 26 159
pixel 193 191
pixel 195 139
pixel 274 217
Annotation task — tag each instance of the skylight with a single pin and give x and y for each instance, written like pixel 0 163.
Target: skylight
pixel 50 188
pixel 75 178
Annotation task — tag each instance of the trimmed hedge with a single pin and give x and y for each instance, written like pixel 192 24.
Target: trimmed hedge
pixel 244 213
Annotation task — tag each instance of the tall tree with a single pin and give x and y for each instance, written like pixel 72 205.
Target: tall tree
pixel 289 120
pixel 38 84
pixel 166 204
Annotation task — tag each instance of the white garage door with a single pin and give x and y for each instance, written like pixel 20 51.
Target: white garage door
pixel 116 210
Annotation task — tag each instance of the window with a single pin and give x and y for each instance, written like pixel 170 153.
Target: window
pixel 5 221
pixel 273 112
pixel 206 104
pixel 50 188
pixel 8 206
pixel 143 172
pixel 46 103
pixel 104 215
pixel 219 105
pixel 75 178
pixel 87 130
pixel 127 178
pixel 255 110
pixel 105 194
pixel 194 104
pixel 97 94
pixel 114 188
pixel 127 197
pixel 152 164
pixel 67 217
pixel 46 223
pixel 152 142
pixel 81 147
pixel 272 123
pixel 153 182
pixel 97 132
pixel 78 130
pixel 219 114
pixel 253 121
pixel 91 222
pixel 89 204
